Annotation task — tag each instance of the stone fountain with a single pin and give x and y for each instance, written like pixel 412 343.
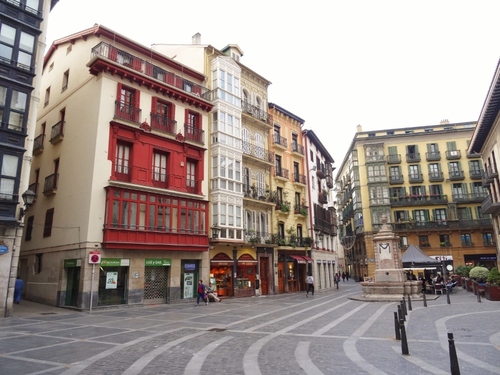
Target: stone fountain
pixel 390 283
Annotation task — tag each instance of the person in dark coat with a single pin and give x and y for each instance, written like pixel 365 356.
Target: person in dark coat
pixel 201 293
pixel 18 289
pixel 343 276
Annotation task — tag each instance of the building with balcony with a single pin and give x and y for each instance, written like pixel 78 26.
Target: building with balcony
pixel 427 183
pixel 240 162
pixel 322 221
pixel 485 141
pixel 23 27
pixel 120 176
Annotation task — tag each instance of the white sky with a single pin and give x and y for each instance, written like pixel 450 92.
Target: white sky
pixel 379 63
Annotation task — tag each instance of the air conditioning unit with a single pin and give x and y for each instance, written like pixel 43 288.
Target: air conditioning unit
pixel 453 153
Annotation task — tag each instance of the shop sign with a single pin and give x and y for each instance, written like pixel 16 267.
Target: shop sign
pixel 111 280
pixel 442 257
pixel 151 262
pixel 484 257
pixel 189 266
pixel 114 262
pixel 68 263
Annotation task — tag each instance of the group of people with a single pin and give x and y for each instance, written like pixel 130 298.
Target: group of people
pixel 336 280
pixel 206 293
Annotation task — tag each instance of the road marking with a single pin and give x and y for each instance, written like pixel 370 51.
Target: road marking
pixel 304 361
pixel 421 363
pixel 195 364
pixel 350 344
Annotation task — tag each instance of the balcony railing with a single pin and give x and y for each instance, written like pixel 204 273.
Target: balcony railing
pixel 193 133
pixel 433 156
pixel 127 112
pixel 280 141
pixel 438 225
pixel 490 207
pixel 322 197
pixel 489 176
pixel 394 159
pixel 415 177
pixel 299 149
pixel 256 112
pixel 34 188
pixel 436 176
pixel 57 132
pixel 38 144
pixel 50 185
pixel 193 186
pixel 121 57
pixel 476 197
pixel 255 192
pixel 396 179
pixel 419 200
pixel 299 178
pixel 475 174
pixel 456 175
pixel 163 124
pixel 257 152
pixel 453 154
pixel 413 157
pixel 282 172
pixel 329 181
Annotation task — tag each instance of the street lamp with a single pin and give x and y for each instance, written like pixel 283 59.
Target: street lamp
pixel 28 199
pixel 215 232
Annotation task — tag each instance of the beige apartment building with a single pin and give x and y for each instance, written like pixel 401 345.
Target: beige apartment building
pixel 427 183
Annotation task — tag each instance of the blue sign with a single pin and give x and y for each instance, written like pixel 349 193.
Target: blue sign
pixel 3 249
pixel 189 266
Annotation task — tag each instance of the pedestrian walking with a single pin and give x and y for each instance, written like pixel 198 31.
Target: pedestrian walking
pixel 310 285
pixel 201 293
pixel 343 276
pixel 18 289
pixel 347 275
pixel 336 280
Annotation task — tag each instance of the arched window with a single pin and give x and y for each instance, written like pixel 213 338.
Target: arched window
pixel 245 137
pixel 259 145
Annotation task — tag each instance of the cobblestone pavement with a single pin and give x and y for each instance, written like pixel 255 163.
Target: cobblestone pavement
pixel 282 334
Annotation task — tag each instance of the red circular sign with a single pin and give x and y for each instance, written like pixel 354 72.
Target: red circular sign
pixel 94 258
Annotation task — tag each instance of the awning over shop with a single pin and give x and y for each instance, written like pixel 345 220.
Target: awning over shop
pixel 308 259
pixel 299 259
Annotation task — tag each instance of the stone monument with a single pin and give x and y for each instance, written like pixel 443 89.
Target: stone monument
pixel 390 282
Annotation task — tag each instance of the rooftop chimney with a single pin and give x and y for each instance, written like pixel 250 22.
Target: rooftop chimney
pixel 196 39
pixel 359 129
pixel 444 121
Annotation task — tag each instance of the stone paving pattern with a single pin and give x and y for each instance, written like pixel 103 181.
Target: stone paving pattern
pixel 334 332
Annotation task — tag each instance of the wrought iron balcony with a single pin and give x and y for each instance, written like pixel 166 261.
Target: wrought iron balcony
pixel 282 173
pixel 38 144
pixel 299 149
pixel 415 177
pixel 257 152
pixel 418 200
pixel 280 141
pixel 475 174
pixel 299 178
pixel 453 154
pixel 192 133
pixel 163 124
pixel 57 132
pixel 396 179
pixel 256 112
pixel 413 157
pixel 436 176
pixel 437 225
pixel 50 185
pixel 490 207
pixel 394 159
pixel 456 175
pixel 433 156
pixel 476 197
pixel 127 60
pixel 127 112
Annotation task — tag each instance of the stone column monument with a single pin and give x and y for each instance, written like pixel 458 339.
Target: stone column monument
pixel 389 282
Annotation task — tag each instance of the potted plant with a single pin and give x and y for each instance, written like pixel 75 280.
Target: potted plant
pixel 492 286
pixel 303 211
pixel 479 274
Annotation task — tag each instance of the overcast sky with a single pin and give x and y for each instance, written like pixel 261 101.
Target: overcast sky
pixel 335 64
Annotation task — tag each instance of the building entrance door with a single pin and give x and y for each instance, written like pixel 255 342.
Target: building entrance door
pixel 72 286
pixel 155 284
pixel 281 277
pixel 264 275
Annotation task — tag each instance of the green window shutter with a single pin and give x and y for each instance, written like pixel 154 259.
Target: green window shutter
pixel 426 215
pixel 464 188
pixel 393 150
pixel 451 146
pixel 407 215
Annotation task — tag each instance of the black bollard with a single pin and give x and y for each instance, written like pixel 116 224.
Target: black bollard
pixel 403 310
pixel 478 296
pixel 425 300
pixel 409 303
pixel 448 296
pixel 404 306
pixel 455 370
pixel 400 313
pixel 404 342
pixel 396 326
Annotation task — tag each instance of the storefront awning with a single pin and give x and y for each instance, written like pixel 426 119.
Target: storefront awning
pixel 308 259
pixel 299 259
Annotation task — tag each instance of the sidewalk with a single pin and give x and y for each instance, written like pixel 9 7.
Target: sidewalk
pixel 28 309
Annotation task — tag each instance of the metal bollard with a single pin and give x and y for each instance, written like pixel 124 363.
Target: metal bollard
pixel 478 296
pixel 400 314
pixel 455 370
pixel 409 303
pixel 448 296
pixel 425 300
pixel 396 326
pixel 404 306
pixel 404 342
pixel 403 309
